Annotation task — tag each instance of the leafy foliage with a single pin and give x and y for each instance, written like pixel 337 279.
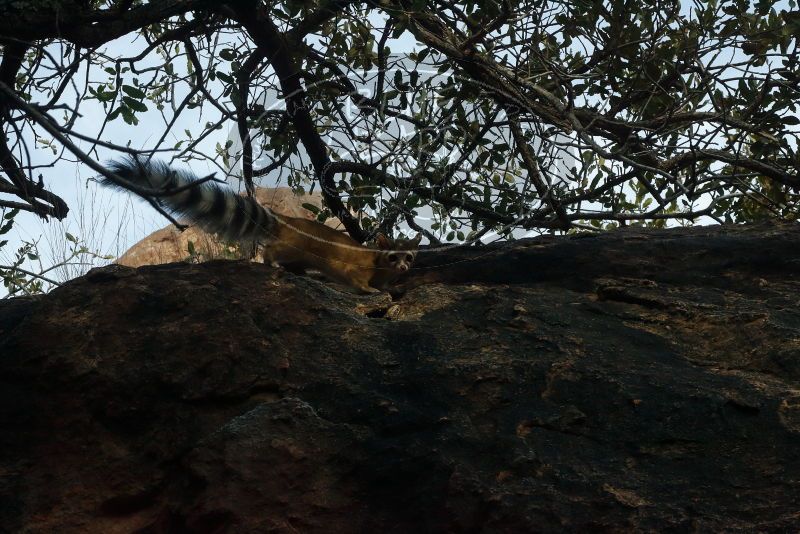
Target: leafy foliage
pixel 25 274
pixel 506 115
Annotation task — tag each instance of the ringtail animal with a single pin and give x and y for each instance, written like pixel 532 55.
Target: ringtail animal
pixel 295 243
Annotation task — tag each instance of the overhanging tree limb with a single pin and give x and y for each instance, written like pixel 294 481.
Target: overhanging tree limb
pixel 280 53
pixel 76 22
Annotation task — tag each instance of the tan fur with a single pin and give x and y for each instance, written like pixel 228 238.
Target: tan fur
pixel 302 244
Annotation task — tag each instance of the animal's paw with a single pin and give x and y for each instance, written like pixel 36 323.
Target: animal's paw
pixel 369 290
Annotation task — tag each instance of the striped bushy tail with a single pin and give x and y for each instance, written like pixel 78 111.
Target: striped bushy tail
pixel 213 208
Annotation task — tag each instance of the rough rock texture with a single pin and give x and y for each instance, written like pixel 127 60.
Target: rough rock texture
pixel 629 381
pixel 169 244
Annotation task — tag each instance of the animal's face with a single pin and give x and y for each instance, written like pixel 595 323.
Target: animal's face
pixel 398 254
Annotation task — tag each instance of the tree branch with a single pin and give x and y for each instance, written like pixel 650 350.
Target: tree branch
pixel 279 50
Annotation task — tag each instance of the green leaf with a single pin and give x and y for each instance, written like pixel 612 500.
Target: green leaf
pixel 128 116
pixel 228 54
pixel 134 92
pixel 134 104
pixel 104 96
pixel 227 78
pixel 114 114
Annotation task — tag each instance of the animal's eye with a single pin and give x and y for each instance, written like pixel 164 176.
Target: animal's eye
pixel 393 257
pixel 409 258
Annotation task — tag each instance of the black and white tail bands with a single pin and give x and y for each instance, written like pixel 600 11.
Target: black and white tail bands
pixel 213 208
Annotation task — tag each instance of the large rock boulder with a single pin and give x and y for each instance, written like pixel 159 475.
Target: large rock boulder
pixel 628 381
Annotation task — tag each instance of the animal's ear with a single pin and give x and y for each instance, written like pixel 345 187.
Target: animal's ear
pixel 382 241
pixel 416 240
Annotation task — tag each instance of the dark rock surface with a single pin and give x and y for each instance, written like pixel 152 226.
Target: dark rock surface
pixel 629 381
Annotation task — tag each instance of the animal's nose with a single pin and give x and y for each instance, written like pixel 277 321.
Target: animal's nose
pixel 403 267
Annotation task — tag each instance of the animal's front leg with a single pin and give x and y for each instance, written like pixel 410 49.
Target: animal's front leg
pixel 269 257
pixel 368 289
